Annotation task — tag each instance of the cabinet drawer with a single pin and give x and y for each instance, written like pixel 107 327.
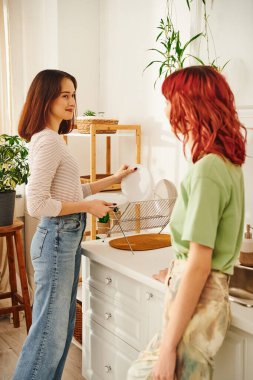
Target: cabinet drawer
pixel 104 355
pixel 153 304
pixel 114 284
pixel 115 315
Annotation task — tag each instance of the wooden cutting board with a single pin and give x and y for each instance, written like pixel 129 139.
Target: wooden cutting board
pixel 142 242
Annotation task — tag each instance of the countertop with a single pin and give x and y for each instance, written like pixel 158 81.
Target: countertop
pixel 143 264
pixel 140 266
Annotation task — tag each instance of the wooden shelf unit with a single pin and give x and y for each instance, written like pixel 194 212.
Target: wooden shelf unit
pixel 121 131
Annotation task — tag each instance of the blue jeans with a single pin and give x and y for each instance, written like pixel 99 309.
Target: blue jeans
pixel 56 257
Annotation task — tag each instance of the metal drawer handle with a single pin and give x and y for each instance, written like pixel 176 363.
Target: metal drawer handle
pixel 149 296
pixel 108 368
pixel 108 315
pixel 108 280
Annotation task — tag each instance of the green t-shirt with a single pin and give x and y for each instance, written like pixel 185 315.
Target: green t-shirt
pixel 210 211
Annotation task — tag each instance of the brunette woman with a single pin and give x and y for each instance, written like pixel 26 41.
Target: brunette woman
pixel 55 195
pixel 206 228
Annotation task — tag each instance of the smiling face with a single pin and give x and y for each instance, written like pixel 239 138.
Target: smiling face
pixel 63 107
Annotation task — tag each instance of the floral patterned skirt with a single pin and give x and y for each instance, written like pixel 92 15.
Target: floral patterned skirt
pixel 204 333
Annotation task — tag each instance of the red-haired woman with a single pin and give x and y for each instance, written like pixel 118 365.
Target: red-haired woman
pixel 56 196
pixel 206 228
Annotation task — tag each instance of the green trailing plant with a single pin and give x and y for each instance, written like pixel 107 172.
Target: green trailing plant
pixel 104 219
pixel 14 168
pixel 173 51
pixel 213 63
pixel 188 2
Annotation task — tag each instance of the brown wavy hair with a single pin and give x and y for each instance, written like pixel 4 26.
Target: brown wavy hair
pixel 45 87
pixel 202 103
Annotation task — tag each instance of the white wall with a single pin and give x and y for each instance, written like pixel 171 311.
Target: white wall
pixel 127 30
pixel 78 47
pixel 56 34
pixel 78 54
pixel 33 44
pixel 232 29
pixel 246 117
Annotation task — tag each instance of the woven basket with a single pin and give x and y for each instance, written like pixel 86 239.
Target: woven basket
pixel 78 326
pixel 83 124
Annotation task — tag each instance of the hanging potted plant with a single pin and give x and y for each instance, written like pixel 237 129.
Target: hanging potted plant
pixel 172 52
pixel 14 170
pixel 171 49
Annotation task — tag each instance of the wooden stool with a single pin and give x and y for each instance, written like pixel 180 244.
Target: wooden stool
pixel 18 302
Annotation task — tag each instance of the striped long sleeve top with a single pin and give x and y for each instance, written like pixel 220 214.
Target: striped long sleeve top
pixel 54 175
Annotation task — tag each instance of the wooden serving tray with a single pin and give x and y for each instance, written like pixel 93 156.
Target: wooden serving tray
pixel 142 242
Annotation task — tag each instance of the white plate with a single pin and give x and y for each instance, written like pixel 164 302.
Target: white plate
pixel 137 186
pixel 165 189
pixel 110 197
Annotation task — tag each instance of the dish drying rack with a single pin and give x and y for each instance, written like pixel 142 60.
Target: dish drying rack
pixel 142 215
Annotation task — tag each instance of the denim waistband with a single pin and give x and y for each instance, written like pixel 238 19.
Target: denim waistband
pixel 80 216
pixel 58 222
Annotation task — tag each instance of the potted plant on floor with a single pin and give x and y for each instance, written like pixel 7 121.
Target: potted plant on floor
pixel 14 170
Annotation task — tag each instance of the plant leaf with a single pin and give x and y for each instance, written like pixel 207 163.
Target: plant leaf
pixel 159 35
pixel 151 63
pixel 197 59
pixel 191 40
pixel 188 4
pixel 225 64
pixel 158 51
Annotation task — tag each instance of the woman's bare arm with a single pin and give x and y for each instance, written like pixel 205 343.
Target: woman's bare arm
pixel 95 207
pixel 192 282
pixel 103 183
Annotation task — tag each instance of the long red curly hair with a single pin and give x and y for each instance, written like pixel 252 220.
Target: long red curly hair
pixel 202 103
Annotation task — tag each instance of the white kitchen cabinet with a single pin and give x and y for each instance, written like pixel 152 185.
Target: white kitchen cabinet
pixel 122 310
pixel 120 316
pixel 234 360
pixel 154 313
pixel 104 355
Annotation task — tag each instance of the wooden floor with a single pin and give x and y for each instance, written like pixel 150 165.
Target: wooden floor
pixel 11 341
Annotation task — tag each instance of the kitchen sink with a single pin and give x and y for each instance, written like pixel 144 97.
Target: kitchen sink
pixel 241 286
